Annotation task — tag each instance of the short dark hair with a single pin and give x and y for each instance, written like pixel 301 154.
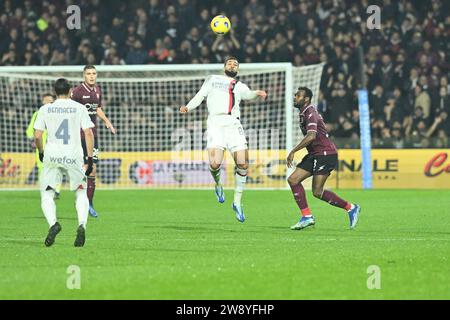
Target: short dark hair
pixel 230 58
pixel 308 92
pixel 62 87
pixel 89 66
pixel 48 94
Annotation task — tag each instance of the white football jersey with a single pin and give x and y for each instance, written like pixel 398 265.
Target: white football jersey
pixel 63 120
pixel 224 95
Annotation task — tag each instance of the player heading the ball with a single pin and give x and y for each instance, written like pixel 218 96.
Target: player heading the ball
pixel 223 95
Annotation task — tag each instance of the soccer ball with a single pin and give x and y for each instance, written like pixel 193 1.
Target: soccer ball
pixel 220 25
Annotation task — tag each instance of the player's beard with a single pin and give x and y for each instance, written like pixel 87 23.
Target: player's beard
pixel 231 74
pixel 298 105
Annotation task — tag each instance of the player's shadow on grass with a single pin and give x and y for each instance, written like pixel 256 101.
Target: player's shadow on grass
pixel 26 242
pixel 197 228
pixel 175 250
pixel 280 228
pixel 344 231
pixel 41 218
pixel 393 233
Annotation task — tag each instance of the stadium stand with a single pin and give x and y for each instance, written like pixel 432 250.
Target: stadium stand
pixel 407 60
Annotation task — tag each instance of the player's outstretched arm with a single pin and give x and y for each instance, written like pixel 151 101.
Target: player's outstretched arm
pixel 248 94
pixel 105 119
pixel 198 98
pixel 261 93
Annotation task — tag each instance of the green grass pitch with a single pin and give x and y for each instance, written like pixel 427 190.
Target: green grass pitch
pixel 162 244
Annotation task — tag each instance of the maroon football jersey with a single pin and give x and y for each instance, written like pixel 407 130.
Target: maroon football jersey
pixel 91 98
pixel 311 120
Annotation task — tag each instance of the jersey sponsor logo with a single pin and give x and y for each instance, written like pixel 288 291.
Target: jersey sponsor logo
pixel 63 160
pixel 86 97
pixel 220 85
pixel 91 108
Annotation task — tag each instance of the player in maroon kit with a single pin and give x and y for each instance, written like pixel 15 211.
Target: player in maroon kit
pixel 319 162
pixel 89 94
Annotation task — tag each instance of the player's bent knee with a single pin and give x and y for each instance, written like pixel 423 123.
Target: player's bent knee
pixel 241 171
pixel 317 193
pixel 242 166
pixel 214 166
pixel 293 180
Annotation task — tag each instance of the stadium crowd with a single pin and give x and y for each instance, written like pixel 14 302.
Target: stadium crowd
pixel 407 60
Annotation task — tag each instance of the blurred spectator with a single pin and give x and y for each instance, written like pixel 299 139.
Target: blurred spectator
pixel 407 61
pixel 137 54
pixel 160 53
pixel 422 99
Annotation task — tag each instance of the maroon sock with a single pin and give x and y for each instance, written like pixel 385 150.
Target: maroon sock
pixel 90 189
pixel 300 197
pixel 333 199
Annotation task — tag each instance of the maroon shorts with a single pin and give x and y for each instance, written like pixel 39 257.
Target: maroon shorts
pixel 85 155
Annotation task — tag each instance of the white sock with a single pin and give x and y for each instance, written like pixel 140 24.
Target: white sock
pixel 82 205
pixel 48 206
pixel 240 179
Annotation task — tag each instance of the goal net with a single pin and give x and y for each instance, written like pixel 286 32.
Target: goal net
pixel 156 146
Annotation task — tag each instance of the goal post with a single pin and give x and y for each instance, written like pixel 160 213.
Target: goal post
pixel 155 146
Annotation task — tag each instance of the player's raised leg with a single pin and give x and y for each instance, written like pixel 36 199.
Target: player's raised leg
pixel 215 163
pixel 240 176
pixel 330 197
pixel 295 182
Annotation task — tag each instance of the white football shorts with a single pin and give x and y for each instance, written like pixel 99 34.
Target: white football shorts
pixel 231 137
pixel 52 175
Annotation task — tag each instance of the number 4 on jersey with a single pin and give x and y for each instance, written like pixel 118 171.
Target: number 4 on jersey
pixel 63 131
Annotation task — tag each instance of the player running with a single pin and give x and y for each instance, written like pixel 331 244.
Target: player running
pixel 89 94
pixel 319 162
pixel 224 93
pixel 63 154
